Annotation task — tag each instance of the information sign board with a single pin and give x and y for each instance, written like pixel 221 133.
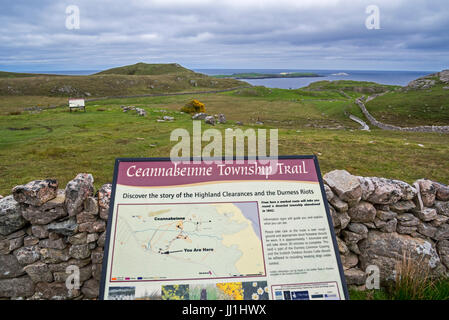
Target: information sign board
pixel 239 230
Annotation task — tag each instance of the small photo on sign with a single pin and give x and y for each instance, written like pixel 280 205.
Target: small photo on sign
pixel 122 293
pixel 255 290
pixel 230 291
pixel 175 292
pixel 204 292
pixel 148 293
pixel 300 295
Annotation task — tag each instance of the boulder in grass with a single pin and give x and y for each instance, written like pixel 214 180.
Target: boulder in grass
pixel 199 116
pixel 210 120
pixel 221 118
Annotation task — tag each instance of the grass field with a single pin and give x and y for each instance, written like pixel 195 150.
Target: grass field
pixel 54 143
pixel 57 144
pixel 413 107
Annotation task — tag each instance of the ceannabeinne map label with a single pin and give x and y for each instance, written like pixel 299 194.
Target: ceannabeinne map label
pixel 223 231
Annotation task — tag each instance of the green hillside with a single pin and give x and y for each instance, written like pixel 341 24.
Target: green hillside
pixel 146 69
pixel 361 87
pixel 424 101
pixel 138 79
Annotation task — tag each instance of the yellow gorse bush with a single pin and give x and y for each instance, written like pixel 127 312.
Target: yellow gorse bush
pixel 194 106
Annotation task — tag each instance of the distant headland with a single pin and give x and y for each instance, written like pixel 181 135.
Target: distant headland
pixel 253 75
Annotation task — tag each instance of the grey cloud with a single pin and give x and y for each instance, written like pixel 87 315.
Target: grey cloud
pixel 225 33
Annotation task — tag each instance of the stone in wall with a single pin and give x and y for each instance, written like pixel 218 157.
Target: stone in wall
pixel 77 191
pixel 104 196
pixel 442 208
pixel 386 250
pixel 385 191
pixel 36 193
pixel 443 250
pixel 10 216
pixel 355 276
pixel 49 211
pixel 428 192
pixel 344 185
pixel 362 212
pixel 442 191
pixel 10 267
pixel 22 287
pixel 65 227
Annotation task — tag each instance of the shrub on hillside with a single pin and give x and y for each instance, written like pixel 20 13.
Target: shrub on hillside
pixel 193 107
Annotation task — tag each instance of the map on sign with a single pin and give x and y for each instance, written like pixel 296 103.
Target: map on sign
pixel 187 241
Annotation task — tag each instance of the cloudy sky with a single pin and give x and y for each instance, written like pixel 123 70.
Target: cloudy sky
pixel 295 34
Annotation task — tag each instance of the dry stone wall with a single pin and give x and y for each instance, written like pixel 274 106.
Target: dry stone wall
pixel 45 229
pixel 383 126
pixel 381 221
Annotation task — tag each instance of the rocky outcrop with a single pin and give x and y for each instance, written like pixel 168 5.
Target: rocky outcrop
pixel 208 119
pixel 141 112
pixel 428 81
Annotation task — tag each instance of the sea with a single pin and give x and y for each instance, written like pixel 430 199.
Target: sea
pixel 401 78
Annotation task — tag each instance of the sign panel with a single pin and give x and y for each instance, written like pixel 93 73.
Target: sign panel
pixel 238 230
pixel 76 103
